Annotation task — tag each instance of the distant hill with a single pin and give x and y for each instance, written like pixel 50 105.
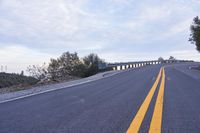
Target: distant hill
pixel 7 80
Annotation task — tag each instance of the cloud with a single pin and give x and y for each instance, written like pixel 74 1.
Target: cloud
pixel 180 28
pixel 18 58
pixel 190 54
pixel 65 21
pixel 124 57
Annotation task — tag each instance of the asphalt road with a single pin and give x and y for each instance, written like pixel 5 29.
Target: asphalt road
pixel 111 105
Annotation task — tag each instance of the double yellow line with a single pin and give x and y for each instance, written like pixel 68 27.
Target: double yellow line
pixel 156 121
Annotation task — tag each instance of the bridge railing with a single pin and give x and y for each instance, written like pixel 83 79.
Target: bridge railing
pixel 127 65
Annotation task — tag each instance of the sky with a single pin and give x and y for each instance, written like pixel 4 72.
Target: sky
pixel 33 31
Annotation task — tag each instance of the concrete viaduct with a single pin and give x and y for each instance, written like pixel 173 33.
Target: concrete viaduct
pixel 127 65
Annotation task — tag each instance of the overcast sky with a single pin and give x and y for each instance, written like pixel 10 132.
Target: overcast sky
pixel 33 31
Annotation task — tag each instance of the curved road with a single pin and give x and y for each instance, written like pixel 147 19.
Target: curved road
pixel 111 105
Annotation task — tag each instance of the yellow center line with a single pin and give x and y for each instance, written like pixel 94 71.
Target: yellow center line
pixel 156 121
pixel 137 121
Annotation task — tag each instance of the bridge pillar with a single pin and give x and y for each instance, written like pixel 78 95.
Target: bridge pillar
pixel 126 66
pixel 120 67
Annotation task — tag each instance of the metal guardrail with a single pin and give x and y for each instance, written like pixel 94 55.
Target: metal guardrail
pixel 126 65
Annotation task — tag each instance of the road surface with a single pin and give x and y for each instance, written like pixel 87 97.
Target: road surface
pixel 147 99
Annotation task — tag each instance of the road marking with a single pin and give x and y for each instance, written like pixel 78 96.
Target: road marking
pixel 137 121
pixel 68 86
pixel 156 121
pixel 37 93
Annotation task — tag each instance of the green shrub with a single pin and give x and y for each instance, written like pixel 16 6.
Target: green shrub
pixel 7 80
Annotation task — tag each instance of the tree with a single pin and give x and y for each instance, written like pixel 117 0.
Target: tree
pixel 91 62
pixel 171 58
pixel 160 59
pixel 54 69
pixel 68 64
pixel 22 73
pixel 195 33
pixel 38 72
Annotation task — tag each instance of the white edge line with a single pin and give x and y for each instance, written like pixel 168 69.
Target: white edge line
pixel 37 93
pixel 28 95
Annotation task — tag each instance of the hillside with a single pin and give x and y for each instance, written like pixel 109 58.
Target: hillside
pixel 7 80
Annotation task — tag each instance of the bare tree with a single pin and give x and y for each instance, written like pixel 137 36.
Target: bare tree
pixel 37 71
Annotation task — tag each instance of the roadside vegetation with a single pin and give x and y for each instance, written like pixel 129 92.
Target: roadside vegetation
pixel 68 66
pixel 195 35
pixel 17 81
